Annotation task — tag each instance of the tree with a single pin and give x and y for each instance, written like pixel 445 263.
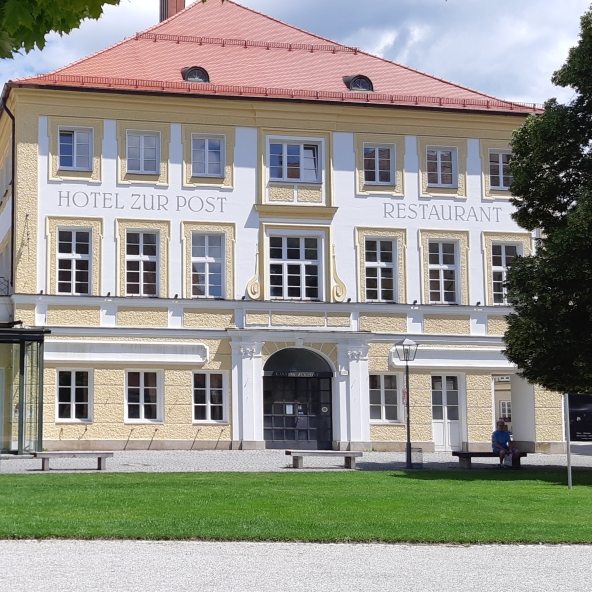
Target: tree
pixel 549 335
pixel 25 23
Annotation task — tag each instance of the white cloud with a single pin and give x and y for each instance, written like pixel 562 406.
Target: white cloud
pixel 504 48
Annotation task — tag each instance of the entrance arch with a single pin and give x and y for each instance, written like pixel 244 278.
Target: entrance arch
pixel 297 397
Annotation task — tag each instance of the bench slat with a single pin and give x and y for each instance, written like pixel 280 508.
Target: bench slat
pixel 356 454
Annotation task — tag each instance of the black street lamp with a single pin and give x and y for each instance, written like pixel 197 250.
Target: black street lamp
pixel 406 351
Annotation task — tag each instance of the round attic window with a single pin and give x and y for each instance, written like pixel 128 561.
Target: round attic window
pixel 358 83
pixel 195 74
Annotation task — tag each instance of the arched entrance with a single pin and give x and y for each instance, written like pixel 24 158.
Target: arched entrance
pixel 297 401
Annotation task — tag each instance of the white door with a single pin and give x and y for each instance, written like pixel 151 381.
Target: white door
pixel 446 423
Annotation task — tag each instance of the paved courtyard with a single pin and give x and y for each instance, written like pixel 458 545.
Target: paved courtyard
pixel 134 566
pixel 269 461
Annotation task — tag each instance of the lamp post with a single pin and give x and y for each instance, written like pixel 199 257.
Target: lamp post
pixel 406 351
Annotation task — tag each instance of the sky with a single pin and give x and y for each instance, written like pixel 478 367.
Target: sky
pixel 505 48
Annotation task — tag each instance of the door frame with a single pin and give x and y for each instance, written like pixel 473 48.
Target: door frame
pixel 462 404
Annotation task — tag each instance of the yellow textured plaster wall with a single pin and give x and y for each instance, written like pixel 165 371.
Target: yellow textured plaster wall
pixel 210 319
pixel 109 412
pixel 26 200
pixel 298 319
pixel 257 318
pixel 310 194
pixel 383 323
pixel 338 319
pixel 548 415
pixel 132 316
pixel 281 193
pixel 496 325
pixel 73 315
pixel 420 403
pixel 479 407
pixel 378 357
pixel 447 324
pixel 25 313
pixel 388 433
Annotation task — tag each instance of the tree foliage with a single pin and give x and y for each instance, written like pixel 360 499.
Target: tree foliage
pixel 550 333
pixel 24 24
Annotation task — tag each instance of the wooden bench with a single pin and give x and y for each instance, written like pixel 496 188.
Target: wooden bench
pixel 101 456
pixel 298 455
pixel 464 458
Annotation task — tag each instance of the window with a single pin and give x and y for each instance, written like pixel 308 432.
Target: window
pixel 445 398
pixel 142 396
pixel 141 263
pixel 384 398
pixel 207 252
pixel 74 256
pixel 207 156
pixel 499 169
pixel 358 83
pixel 293 161
pixel 379 164
pixel 195 74
pixel 442 272
pixel 441 164
pixel 208 397
pixel 75 149
pixel 294 267
pixel 506 410
pixel 143 152
pixel 380 256
pixel 502 256
pixel 73 395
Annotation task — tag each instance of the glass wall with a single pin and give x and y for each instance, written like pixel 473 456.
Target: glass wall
pixel 21 390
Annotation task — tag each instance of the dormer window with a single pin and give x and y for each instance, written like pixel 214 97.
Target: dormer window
pixel 195 74
pixel 358 83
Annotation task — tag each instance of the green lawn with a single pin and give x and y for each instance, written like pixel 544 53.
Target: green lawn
pixel 424 506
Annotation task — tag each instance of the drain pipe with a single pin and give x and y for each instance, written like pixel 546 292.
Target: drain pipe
pixel 4 106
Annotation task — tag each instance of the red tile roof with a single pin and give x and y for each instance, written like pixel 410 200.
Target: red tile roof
pixel 249 54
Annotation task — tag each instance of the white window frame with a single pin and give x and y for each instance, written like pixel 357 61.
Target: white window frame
pixel 159 397
pixel 392 159
pixel 142 259
pixel 225 403
pixel 440 150
pixel 379 265
pixel 320 262
pixel 503 269
pixel 296 141
pixel 75 131
pixel 507 405
pixel 141 134
pixel 400 407
pixel 72 403
pixel 499 153
pixel 207 139
pixel 441 268
pixel 73 257
pixel 207 262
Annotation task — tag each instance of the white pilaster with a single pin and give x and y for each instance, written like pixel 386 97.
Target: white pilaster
pixel 247 394
pixel 353 357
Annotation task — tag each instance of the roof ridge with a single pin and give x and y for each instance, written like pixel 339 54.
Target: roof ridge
pixel 245 42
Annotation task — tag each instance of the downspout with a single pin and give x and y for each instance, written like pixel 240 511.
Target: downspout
pixel 13 196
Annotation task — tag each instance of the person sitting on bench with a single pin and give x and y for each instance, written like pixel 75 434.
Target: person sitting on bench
pixel 501 442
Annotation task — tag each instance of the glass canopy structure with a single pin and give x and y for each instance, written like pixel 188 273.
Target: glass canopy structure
pixel 21 389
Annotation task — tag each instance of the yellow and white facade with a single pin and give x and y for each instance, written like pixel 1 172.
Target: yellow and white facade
pixel 171 289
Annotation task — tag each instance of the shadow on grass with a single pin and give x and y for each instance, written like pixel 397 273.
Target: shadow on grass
pixel 581 476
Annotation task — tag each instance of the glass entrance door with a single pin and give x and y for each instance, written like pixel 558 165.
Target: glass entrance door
pixel 297 412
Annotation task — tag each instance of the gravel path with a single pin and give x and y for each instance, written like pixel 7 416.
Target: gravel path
pixel 268 460
pixel 134 566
